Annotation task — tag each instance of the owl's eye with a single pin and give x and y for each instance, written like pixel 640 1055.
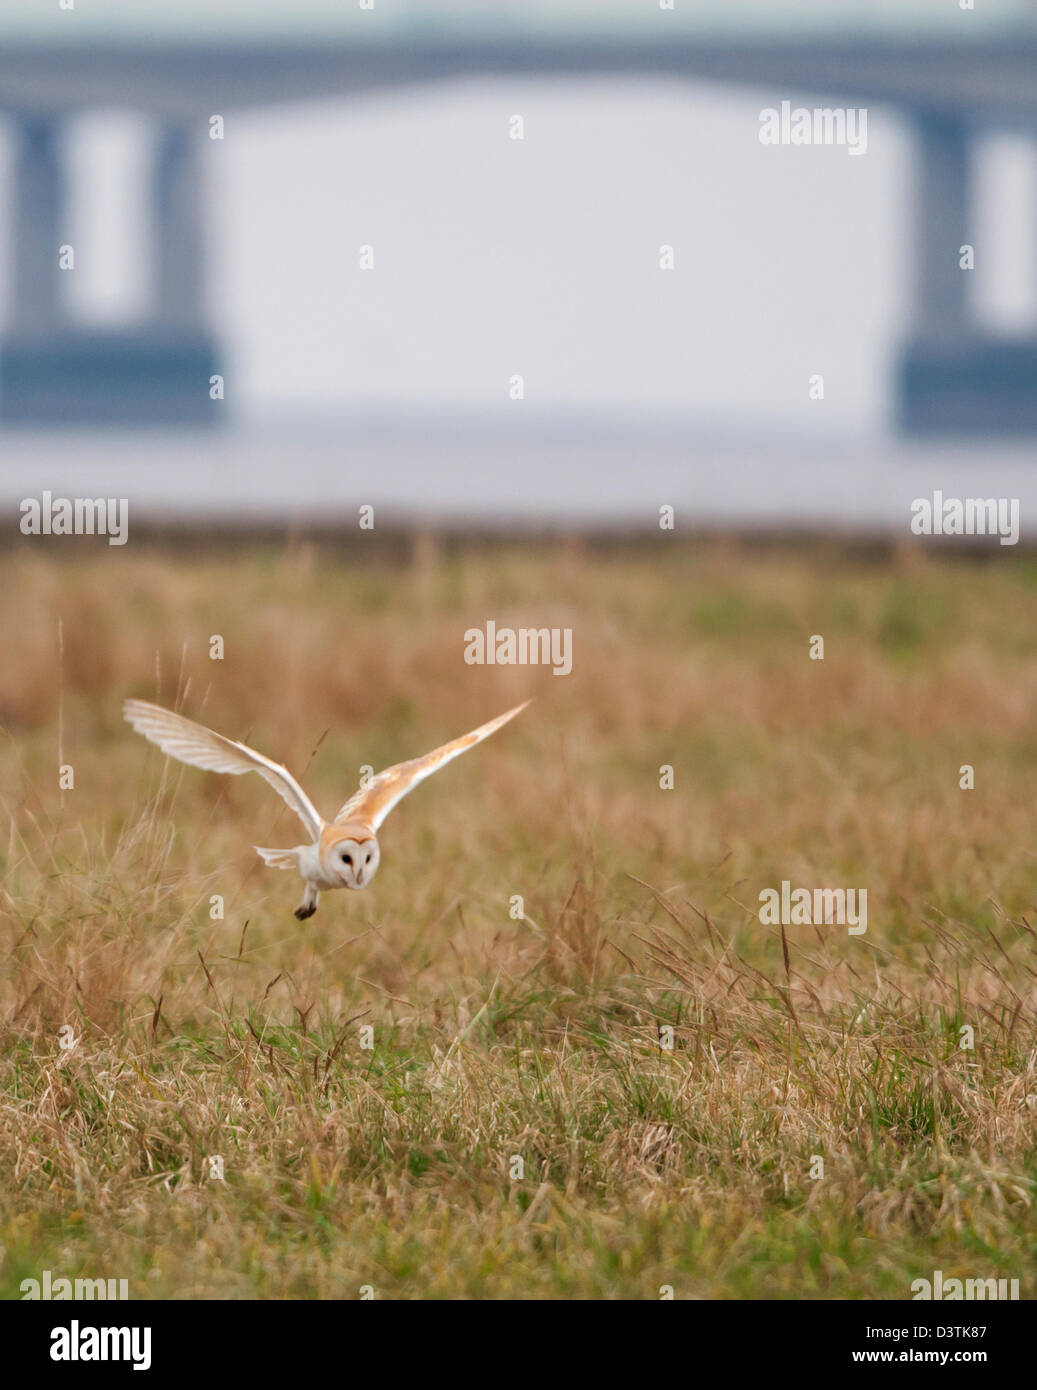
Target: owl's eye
pixel 347 859
pixel 367 860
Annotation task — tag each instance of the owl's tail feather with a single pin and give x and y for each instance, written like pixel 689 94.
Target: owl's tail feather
pixel 278 858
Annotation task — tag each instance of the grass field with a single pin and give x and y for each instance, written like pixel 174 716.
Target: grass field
pixel 538 1038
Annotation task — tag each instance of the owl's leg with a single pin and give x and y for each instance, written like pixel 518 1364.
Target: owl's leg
pixel 308 906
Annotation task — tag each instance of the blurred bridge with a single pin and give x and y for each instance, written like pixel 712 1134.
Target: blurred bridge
pixel 954 73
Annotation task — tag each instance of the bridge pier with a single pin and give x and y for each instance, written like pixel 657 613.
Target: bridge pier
pixel 177 228
pixel 953 378
pixel 55 371
pixel 942 212
pixel 38 208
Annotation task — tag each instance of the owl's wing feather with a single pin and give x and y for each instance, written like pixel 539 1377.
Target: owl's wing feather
pixel 200 747
pixel 373 803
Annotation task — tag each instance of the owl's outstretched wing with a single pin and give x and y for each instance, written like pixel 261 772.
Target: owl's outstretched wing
pixel 200 747
pixel 373 803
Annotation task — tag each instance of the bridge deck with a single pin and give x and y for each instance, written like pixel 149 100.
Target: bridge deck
pixel 421 21
pixel 992 77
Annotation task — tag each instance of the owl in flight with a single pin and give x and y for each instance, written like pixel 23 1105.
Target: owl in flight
pixel 343 853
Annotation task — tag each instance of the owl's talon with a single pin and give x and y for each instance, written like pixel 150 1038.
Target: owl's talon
pixel 306 910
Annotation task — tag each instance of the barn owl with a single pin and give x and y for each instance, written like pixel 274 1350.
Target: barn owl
pixel 343 853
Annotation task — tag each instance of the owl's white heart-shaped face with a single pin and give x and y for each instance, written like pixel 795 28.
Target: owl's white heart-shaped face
pixel 349 856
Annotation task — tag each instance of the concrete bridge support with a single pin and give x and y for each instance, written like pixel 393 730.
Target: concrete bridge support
pixel 953 378
pixel 178 235
pixel 55 371
pixel 38 211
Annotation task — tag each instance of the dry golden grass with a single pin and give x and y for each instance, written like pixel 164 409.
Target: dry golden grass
pixel 538 1038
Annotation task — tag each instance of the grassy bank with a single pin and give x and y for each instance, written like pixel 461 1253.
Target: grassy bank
pixel 511 1126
